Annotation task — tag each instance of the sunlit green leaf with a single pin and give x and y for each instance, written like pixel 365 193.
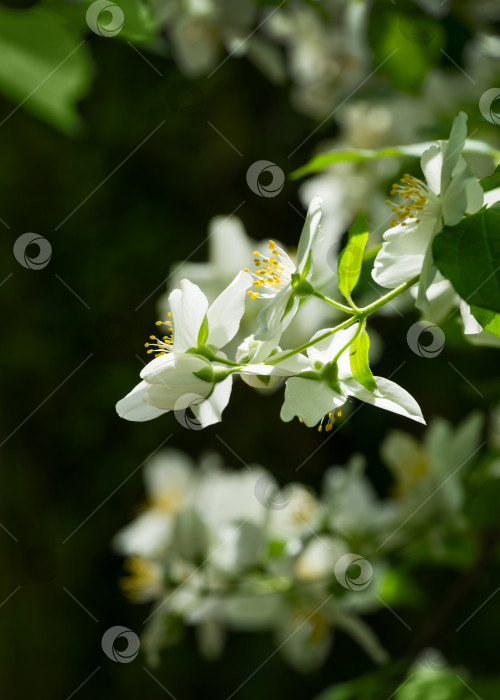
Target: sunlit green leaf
pixel 351 257
pixel 469 256
pixel 489 320
pixel 358 155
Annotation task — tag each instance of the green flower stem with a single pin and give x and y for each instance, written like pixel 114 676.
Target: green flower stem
pixel 336 304
pixel 206 352
pixel 361 315
pixel 291 353
pixel 368 310
pixel 359 330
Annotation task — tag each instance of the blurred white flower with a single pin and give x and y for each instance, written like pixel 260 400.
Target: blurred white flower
pixel 429 475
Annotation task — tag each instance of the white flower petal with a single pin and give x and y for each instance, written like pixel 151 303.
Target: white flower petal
pixel 228 243
pixel 427 275
pixel 396 399
pixel 471 326
pixel 224 315
pixel 174 368
pixel 188 306
pixel 402 253
pixel 270 318
pixel 309 399
pixel 134 407
pixel 310 233
pixel 325 350
pixel 210 411
pixel 453 149
pixel 432 165
pixel 170 473
pixel 146 536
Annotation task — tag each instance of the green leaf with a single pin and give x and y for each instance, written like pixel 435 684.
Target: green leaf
pixel 491 181
pixel 468 254
pixel 360 367
pixel 415 150
pixel 43 65
pixel 406 43
pixel 351 258
pixel 203 332
pixel 489 320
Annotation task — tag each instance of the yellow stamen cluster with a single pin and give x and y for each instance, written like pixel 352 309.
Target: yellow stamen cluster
pixel 328 422
pixel 412 191
pixel 269 270
pixel 165 344
pixel 141 581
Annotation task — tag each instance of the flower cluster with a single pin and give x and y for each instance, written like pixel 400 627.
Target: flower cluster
pixel 220 549
pixel 191 371
pixel 320 49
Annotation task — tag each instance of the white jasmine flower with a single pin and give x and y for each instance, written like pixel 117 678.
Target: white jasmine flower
pixel 317 561
pixel 169 480
pixel 279 279
pixel 450 191
pixel 428 475
pixel 179 378
pixel 296 514
pixel 354 509
pixel 144 580
pixel 319 395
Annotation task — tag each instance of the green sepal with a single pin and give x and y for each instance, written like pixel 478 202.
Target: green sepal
pixel 330 374
pixel 301 287
pixel 360 367
pixel 206 374
pixel 203 333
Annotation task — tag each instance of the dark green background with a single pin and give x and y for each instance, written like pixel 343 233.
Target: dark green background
pixel 72 454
